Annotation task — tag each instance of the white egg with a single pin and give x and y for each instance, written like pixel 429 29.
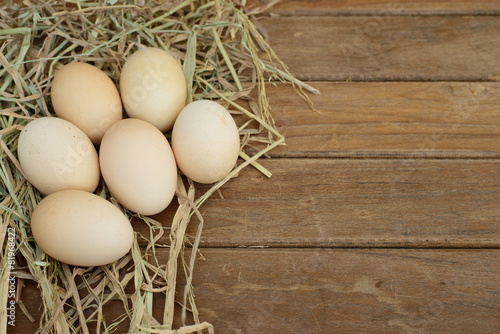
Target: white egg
pixel 56 155
pixel 205 141
pixel 153 87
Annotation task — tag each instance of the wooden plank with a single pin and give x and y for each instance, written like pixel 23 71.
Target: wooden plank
pixel 349 291
pixel 389 119
pixel 395 48
pixel 378 7
pixel 354 203
pixel 334 290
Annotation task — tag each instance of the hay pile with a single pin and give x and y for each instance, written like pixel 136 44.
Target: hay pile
pixel 224 57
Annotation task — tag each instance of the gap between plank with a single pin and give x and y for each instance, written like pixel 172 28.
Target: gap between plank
pixel 317 13
pixel 382 156
pixel 357 245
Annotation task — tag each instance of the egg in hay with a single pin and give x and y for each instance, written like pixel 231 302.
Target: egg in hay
pixel 56 155
pixel 138 166
pixel 205 141
pixel 85 96
pixel 153 87
pixel 81 229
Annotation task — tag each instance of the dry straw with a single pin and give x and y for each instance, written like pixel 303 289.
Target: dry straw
pixel 224 57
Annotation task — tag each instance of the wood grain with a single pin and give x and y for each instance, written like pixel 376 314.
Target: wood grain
pixel 355 203
pixel 379 7
pixel 395 48
pixel 349 291
pixel 336 290
pixel 389 119
pixel 382 215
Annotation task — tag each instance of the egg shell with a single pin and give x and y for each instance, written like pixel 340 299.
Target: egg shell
pixel 56 155
pixel 138 166
pixel 153 87
pixel 81 229
pixel 205 141
pixel 85 96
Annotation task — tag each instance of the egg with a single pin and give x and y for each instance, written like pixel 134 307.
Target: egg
pixel 85 96
pixel 56 155
pixel 138 166
pixel 81 229
pixel 153 87
pixel 205 141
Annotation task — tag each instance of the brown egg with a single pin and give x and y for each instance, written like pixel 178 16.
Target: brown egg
pixel 85 96
pixel 153 87
pixel 81 229
pixel 138 166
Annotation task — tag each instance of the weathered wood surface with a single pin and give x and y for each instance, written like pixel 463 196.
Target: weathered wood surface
pixel 396 48
pixel 390 119
pixel 379 7
pixel 340 291
pixel 383 213
pixel 355 203
pixel 350 291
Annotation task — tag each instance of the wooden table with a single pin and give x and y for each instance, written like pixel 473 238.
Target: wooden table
pixel 383 211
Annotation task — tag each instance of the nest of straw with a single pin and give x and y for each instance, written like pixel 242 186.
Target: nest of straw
pixel 224 57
